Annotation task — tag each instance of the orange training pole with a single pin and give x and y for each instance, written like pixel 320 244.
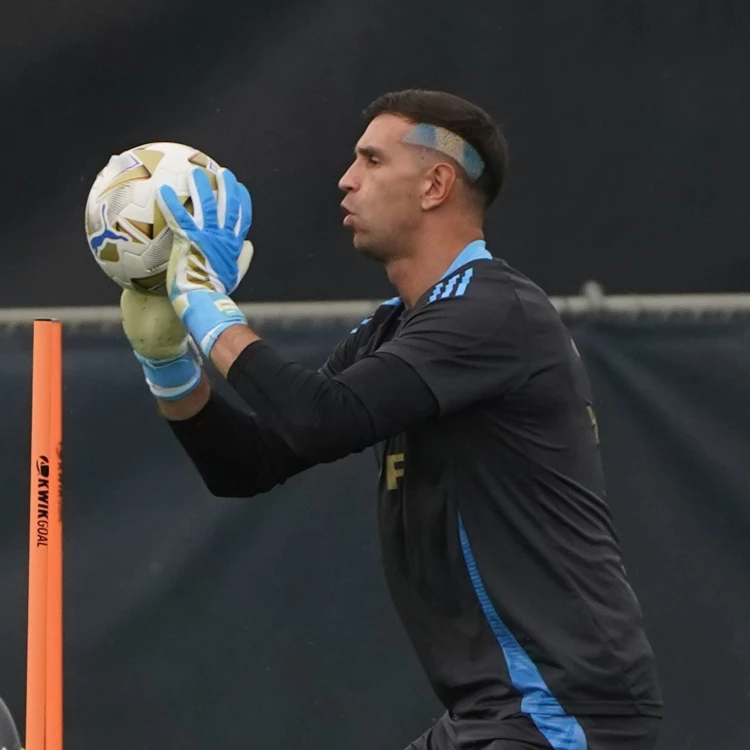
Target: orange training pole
pixel 54 651
pixel 46 370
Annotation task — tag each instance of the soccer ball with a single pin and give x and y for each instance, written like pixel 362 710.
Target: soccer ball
pixel 125 229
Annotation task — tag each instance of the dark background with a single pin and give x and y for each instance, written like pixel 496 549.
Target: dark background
pixel 628 126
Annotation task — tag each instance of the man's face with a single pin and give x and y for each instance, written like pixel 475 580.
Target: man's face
pixel 383 187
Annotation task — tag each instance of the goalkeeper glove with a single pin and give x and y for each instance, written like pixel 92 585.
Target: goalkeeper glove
pixel 209 254
pixel 160 343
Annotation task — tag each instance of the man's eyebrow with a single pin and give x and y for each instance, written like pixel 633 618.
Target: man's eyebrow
pixel 368 151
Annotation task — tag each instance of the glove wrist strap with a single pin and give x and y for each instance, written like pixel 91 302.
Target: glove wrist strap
pixel 170 379
pixel 207 314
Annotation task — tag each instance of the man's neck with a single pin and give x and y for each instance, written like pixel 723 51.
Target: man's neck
pixel 414 274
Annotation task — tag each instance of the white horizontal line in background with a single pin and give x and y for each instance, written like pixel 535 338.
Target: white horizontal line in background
pixel 254 311
pixel 592 303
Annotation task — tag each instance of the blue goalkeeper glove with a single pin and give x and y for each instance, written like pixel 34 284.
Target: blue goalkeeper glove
pixel 210 255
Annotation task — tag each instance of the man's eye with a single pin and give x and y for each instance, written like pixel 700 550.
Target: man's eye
pixel 373 160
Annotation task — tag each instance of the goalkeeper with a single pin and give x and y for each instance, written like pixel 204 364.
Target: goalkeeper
pixel 497 543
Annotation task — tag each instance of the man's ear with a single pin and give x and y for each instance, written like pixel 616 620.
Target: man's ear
pixel 438 184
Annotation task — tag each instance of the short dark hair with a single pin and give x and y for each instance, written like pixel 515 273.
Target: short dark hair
pixel 458 115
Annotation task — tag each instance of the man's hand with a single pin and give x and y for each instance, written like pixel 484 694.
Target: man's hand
pixel 160 343
pixel 210 255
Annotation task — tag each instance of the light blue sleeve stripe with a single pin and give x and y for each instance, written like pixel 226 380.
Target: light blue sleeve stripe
pixel 464 282
pixel 363 323
pixel 563 732
pixel 476 250
pixel 436 292
pixel 449 287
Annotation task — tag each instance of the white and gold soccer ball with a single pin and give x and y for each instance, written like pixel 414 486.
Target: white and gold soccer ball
pixel 125 229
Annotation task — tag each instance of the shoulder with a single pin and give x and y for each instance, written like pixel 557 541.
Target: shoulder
pixel 484 293
pixel 360 338
pixel 383 312
pixel 492 280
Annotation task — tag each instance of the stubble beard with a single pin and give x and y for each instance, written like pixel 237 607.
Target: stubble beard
pixel 371 250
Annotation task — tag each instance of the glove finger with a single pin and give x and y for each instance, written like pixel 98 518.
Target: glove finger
pixel 205 211
pixel 178 259
pixel 243 263
pixel 229 199
pixel 151 325
pixel 246 211
pixel 178 218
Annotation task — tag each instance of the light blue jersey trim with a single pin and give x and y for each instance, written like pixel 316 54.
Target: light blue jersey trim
pixel 563 732
pixel 476 250
pixel 453 284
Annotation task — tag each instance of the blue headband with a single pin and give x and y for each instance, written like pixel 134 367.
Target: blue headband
pixel 448 143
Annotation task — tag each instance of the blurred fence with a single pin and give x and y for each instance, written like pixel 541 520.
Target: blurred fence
pixel 192 621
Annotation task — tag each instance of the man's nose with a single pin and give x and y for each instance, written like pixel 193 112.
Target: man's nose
pixel 347 183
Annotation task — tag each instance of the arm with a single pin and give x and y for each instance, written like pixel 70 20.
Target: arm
pixel 449 354
pixel 239 455
pixel 186 406
pixel 233 453
pixel 321 418
pixel 303 418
